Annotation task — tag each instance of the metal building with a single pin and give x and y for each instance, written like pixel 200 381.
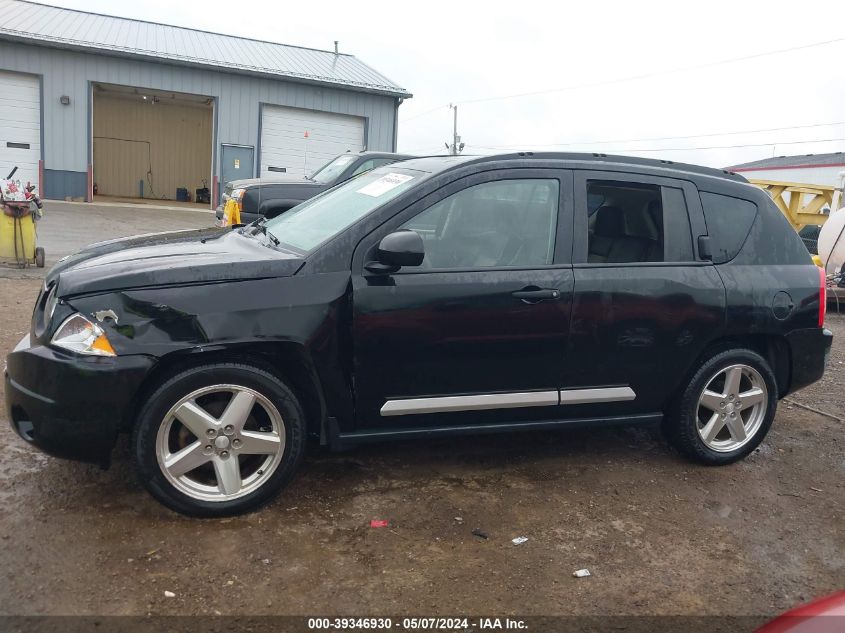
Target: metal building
pixel 142 109
pixel 812 169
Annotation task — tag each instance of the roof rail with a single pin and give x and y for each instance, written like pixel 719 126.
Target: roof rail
pixel 620 160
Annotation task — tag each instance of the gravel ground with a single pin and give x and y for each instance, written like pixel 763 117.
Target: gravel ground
pixel 660 535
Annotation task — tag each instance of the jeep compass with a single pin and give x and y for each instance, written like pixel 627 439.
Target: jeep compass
pixel 427 298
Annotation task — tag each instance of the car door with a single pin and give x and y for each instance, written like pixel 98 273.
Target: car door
pixel 478 333
pixel 645 305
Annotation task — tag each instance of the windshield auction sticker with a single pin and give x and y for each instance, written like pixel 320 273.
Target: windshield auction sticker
pixel 384 184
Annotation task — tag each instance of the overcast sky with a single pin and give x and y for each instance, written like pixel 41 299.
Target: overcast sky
pixel 577 52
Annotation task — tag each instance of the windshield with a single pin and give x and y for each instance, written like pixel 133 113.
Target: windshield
pixel 315 221
pixel 334 168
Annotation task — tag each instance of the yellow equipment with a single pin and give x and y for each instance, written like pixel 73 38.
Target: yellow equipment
pixel 802 204
pixel 17 236
pixel 231 213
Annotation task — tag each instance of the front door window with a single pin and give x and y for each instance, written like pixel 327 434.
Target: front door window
pixel 495 224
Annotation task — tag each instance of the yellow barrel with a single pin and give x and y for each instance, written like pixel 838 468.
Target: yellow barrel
pixel 22 236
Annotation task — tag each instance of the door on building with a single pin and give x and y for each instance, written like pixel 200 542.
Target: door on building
pixel 237 161
pixel 150 143
pixel 20 127
pixel 296 141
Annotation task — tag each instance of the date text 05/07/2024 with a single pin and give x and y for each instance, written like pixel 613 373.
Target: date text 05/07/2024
pixel 416 623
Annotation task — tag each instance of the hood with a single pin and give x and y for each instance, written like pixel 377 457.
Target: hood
pixel 161 259
pixel 284 179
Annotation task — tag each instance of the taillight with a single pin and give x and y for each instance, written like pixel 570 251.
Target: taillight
pixel 822 296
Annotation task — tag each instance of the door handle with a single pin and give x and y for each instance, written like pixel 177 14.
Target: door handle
pixel 533 294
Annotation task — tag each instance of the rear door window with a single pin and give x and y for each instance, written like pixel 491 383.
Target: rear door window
pixel 636 222
pixel 728 222
pixel 625 222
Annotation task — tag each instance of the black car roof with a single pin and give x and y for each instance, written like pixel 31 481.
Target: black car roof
pixel 373 154
pixel 435 164
pixel 287 179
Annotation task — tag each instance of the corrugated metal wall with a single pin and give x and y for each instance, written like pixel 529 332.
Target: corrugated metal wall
pixel 66 129
pixel 823 175
pixel 133 137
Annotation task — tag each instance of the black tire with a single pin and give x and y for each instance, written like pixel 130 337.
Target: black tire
pixel 40 257
pixel 169 393
pixel 680 424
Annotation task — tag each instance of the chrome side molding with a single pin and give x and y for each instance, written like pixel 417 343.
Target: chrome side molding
pixel 600 394
pixel 479 402
pixel 512 400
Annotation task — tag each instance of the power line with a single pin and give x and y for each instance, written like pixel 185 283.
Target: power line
pixel 684 149
pixel 608 82
pixel 416 116
pixel 671 138
pixel 680 149
pixel 656 73
pixel 423 150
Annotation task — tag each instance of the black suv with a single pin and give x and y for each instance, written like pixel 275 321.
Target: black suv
pixel 272 195
pixel 439 296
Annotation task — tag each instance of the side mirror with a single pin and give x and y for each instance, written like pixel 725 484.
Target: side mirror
pixel 398 249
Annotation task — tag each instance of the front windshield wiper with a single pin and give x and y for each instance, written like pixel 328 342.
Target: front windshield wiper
pixel 273 239
pixel 260 226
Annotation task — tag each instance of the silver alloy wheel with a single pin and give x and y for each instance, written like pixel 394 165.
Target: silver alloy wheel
pixel 220 443
pixel 731 408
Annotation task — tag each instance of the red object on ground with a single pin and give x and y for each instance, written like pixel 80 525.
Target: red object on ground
pixel 375 523
pixel 825 615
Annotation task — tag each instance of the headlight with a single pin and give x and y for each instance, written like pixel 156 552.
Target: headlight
pixel 79 335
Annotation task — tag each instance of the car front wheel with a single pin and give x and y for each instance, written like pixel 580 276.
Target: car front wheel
pixel 219 440
pixel 725 410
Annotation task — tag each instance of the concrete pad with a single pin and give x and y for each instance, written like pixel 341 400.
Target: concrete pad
pixel 70 226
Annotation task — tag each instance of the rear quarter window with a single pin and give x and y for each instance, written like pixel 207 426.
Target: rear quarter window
pixel 728 221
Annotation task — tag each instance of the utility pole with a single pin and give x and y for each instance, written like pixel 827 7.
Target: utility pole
pixel 455 131
pixel 456 147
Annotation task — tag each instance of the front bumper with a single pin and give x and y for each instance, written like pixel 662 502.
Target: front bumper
pixel 69 405
pixel 810 350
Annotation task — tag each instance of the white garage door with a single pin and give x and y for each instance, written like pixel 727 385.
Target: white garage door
pixel 299 142
pixel 20 120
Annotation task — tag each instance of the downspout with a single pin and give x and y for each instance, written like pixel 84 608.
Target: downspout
pixel 397 102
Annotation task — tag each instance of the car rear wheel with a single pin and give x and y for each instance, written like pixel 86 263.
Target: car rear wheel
pixel 219 440
pixel 725 410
